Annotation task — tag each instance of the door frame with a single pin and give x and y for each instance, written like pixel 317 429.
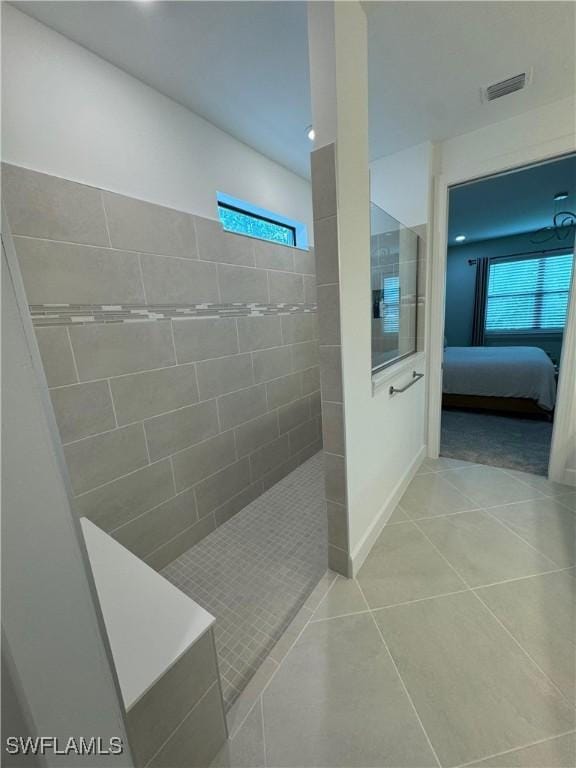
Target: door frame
pixel 566 399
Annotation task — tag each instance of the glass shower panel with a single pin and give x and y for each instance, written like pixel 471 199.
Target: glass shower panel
pixel 394 277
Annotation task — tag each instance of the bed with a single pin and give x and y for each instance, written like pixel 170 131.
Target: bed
pixel 519 379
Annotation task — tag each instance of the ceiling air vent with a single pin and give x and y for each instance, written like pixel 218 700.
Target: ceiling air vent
pixel 504 87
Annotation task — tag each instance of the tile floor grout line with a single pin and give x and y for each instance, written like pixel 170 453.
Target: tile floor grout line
pixel 525 652
pixel 400 678
pixel 518 536
pixel 261 699
pixel 508 632
pixel 278 666
pixel 516 749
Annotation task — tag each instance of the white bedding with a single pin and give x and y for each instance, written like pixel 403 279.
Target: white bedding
pixel 525 372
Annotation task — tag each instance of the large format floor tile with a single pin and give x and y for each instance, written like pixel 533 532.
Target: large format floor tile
pixel 437 465
pixel 559 752
pixel 476 692
pixel 488 487
pixel 541 614
pixel 246 747
pixel 542 484
pixel 343 599
pixel 546 523
pixel 337 701
pixel 403 566
pixel 429 495
pixel 482 550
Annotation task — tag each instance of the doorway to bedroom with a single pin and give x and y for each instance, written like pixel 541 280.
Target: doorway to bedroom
pixel 509 268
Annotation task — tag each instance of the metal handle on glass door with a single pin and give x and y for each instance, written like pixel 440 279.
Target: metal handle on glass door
pixel 415 377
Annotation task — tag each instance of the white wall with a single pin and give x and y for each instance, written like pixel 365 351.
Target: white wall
pixel 69 113
pixel 399 184
pixel 385 436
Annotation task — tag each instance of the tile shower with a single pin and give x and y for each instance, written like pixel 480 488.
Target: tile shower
pixel 182 361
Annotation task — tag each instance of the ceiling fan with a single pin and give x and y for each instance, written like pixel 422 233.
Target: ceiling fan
pixel 563 223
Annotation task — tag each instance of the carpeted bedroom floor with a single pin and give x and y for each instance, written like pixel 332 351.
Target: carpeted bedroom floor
pixel 500 440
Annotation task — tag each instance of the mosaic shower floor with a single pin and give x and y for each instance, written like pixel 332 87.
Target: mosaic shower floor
pixel 254 572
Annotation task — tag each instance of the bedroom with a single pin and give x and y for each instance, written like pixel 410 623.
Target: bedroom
pixel 509 269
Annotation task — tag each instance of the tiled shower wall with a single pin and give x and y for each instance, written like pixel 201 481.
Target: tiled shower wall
pixel 182 360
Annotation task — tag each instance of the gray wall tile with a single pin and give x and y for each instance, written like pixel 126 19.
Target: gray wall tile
pixel 202 460
pixel 283 391
pixel 303 435
pixel 335 478
pixel 304 262
pixel 121 500
pixel 140 226
pixel 337 525
pixel 310 380
pixel 294 414
pixel 329 314
pixel 309 451
pixel 214 244
pixel 226 374
pixel 333 428
pixel 339 561
pixel 178 281
pixel 323 165
pixel 297 328
pixel 160 711
pixel 279 473
pixel 259 332
pixel 242 284
pixel 222 486
pixel 305 355
pixel 204 338
pixel 82 410
pixel 270 456
pixel 113 349
pixel 256 433
pixel 96 460
pixel 56 354
pixel 64 273
pixel 238 407
pixel 273 256
pixel 271 363
pixel 142 395
pixel 174 431
pixel 39 205
pixel 147 532
pixel 237 503
pixel 331 374
pixel 198 739
pixel 286 288
pixel 315 404
pixel 179 544
pixel 310 293
pixel 326 249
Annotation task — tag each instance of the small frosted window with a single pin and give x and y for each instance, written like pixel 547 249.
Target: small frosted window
pixel 247 223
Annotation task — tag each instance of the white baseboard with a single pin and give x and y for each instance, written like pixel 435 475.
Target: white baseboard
pixel 570 477
pixel 362 551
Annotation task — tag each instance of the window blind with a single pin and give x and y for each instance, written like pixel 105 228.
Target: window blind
pixel 529 293
pixel 391 304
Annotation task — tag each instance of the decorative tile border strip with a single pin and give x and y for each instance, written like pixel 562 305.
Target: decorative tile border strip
pixel 84 314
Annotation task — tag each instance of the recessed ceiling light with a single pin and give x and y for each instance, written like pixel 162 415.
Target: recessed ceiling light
pixel 460 238
pixel 311 133
pixel 561 196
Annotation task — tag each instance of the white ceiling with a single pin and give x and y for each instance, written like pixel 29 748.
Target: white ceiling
pixel 244 65
pixel 512 203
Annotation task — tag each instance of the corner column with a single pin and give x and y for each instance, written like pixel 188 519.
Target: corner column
pixel 337 36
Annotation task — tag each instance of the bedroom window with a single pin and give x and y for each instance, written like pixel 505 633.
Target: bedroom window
pixel 528 294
